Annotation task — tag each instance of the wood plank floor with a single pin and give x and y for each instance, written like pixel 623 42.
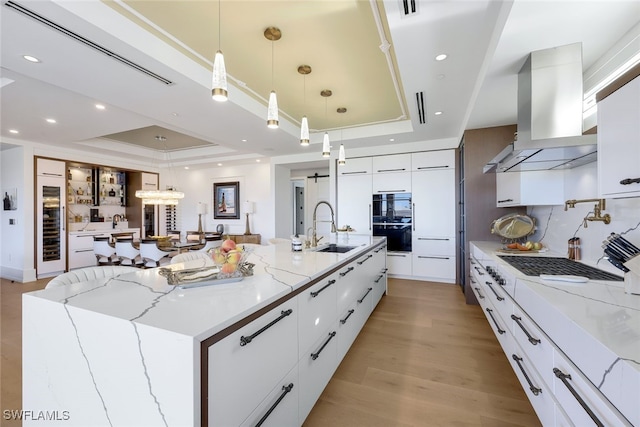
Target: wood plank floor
pixel 424 358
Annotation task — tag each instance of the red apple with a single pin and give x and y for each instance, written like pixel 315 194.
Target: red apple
pixel 227 245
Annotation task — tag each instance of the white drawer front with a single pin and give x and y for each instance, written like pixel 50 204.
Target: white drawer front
pixel 349 323
pixel 316 368
pixel 79 258
pixel 317 310
pixel 434 245
pixel 262 363
pixel 537 391
pixel 399 263
pixel 348 286
pixel 280 407
pixel 436 267
pixel 592 399
pixel 535 344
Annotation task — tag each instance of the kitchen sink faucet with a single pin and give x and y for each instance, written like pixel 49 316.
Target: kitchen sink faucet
pixel 314 238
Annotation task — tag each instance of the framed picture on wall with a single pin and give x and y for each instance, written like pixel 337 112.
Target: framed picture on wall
pixel 226 196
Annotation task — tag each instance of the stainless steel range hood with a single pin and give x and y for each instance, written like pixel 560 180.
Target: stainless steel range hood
pixel 550 97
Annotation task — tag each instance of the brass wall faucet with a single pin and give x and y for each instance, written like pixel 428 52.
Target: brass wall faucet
pixel 597 210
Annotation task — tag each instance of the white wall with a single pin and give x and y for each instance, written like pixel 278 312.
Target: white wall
pixel 197 184
pixel 17 241
pixel 556 226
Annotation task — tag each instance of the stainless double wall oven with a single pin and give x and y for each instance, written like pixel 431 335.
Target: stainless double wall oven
pixel 392 216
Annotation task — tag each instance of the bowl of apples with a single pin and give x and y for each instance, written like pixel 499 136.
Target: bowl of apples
pixel 231 260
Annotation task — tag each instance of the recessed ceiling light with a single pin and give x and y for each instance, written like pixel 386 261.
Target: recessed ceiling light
pixel 219 164
pixel 174 114
pixel 257 160
pixel 438 113
pixel 391 139
pixel 243 140
pixel 100 107
pixel 30 58
pixel 186 167
pixel 441 57
pixel 51 120
pixel 13 131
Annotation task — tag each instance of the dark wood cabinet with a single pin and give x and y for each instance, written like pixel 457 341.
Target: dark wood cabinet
pixel 477 193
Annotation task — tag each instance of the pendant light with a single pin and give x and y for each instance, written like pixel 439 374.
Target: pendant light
pixel 341 155
pixel 273 34
pixel 304 126
pixel 326 144
pixel 161 197
pixel 219 79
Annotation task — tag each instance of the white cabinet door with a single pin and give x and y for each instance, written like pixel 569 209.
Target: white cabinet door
pixel 354 203
pixel 430 160
pixel 149 181
pixel 392 182
pixel 436 268
pixel 392 163
pixel 51 168
pixel 434 200
pixel 357 166
pixel 618 147
pixel 530 188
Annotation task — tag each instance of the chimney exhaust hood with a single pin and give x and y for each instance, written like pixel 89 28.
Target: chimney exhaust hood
pixel 550 98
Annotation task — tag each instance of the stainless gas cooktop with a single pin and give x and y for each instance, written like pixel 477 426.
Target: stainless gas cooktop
pixel 535 266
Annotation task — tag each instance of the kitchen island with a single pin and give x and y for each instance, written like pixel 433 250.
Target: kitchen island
pixel 135 351
pixel 575 346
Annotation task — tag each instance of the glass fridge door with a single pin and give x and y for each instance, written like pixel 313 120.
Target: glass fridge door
pixel 51 231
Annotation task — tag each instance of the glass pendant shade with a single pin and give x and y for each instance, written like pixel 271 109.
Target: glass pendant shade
pixel 304 132
pixel 326 146
pixel 219 85
pixel 159 197
pixel 272 112
pixel 341 156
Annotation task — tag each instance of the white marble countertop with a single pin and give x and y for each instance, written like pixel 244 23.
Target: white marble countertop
pixel 596 324
pixel 145 297
pixel 595 306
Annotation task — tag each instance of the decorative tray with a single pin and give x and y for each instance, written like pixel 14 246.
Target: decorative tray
pixel 204 276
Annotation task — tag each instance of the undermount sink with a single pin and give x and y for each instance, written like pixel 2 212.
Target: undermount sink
pixel 332 247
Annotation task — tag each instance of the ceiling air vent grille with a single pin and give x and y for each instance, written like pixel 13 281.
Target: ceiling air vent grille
pixel 26 12
pixel 409 7
pixel 420 105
